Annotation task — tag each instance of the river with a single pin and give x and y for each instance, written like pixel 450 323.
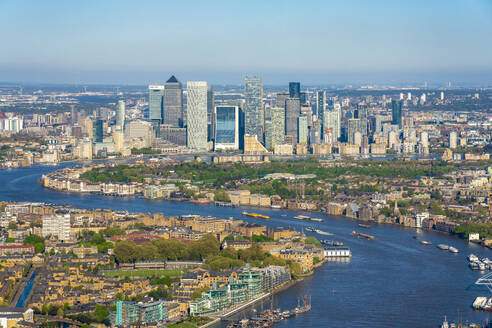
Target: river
pixel 392 281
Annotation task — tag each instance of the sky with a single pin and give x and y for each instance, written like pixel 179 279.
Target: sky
pixel 316 42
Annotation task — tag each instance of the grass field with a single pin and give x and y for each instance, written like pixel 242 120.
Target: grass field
pixel 143 273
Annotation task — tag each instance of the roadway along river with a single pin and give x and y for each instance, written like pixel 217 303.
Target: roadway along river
pixel 392 281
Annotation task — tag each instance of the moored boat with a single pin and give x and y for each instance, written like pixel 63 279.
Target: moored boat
pixel 443 247
pixel 425 242
pixel 453 249
pixel 256 215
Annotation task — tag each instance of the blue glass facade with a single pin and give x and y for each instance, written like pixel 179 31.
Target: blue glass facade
pixel 226 127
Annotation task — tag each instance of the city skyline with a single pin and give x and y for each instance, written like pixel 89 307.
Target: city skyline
pixel 315 42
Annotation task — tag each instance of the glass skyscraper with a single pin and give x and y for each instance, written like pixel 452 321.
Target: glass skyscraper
pixel 253 107
pixel 396 112
pixel 156 95
pixel 292 112
pixel 120 114
pixel 173 102
pixel 197 115
pixel 97 130
pixel 226 127
pixel 295 90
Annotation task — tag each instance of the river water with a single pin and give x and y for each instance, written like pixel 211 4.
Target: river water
pixel 391 281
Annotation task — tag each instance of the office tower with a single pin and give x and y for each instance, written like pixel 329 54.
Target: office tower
pixel 292 112
pixel 197 115
pixel 302 129
pixel 120 114
pixel 141 131
pixel 173 102
pixel 73 115
pixel 97 130
pixel 377 124
pixel 226 127
pixel 281 99
pixel 353 126
pixel 409 96
pixel 362 115
pixel 442 95
pixel 156 95
pixel 57 225
pixel 453 139
pixel 401 95
pixel 172 134
pixel 253 107
pixel 278 125
pixel 210 114
pixel 396 112
pixel 320 105
pixel 295 90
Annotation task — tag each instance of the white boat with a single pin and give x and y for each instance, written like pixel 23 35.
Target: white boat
pixel 479 303
pixel 321 232
pixel 472 258
pixel 276 206
pixel 486 260
pixel 453 250
pixel 443 247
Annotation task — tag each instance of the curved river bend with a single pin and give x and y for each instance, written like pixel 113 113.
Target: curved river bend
pixel 392 281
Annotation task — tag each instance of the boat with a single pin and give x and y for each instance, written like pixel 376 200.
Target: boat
pixel 473 258
pixel 256 215
pixel 479 303
pixel 316 220
pixel 486 260
pixel 453 249
pixel 366 236
pixel 321 232
pixel 478 266
pixel 364 226
pixel 425 242
pixel 443 247
pixel 302 217
pixel 310 229
pixel 276 207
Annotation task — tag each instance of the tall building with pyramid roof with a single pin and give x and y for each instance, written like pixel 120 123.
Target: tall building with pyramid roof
pixel 173 102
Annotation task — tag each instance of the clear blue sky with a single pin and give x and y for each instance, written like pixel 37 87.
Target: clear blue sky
pixel 139 42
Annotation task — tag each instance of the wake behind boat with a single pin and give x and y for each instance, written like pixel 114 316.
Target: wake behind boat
pixel 321 232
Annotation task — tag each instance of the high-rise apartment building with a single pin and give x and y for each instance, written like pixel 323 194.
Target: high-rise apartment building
pixel 278 125
pixel 332 130
pixel 353 127
pixel 363 116
pixel 302 129
pixel 396 112
pixel 197 106
pixel 210 114
pixel 173 102
pixel 156 98
pixel 320 105
pixel 226 127
pixel 120 114
pixel 58 226
pixel 253 107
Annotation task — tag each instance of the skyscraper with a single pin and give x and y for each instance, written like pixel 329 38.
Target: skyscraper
pixel 292 112
pixel 120 114
pixel 396 112
pixel 302 129
pixel 210 114
pixel 362 115
pixel 253 107
pixel 156 95
pixel 173 102
pixel 97 130
pixel 332 124
pixel 278 125
pixel 352 128
pixel 295 90
pixel 197 115
pixel 226 127
pixel 320 104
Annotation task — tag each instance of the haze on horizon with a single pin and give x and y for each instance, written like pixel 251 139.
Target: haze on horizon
pixel 131 42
